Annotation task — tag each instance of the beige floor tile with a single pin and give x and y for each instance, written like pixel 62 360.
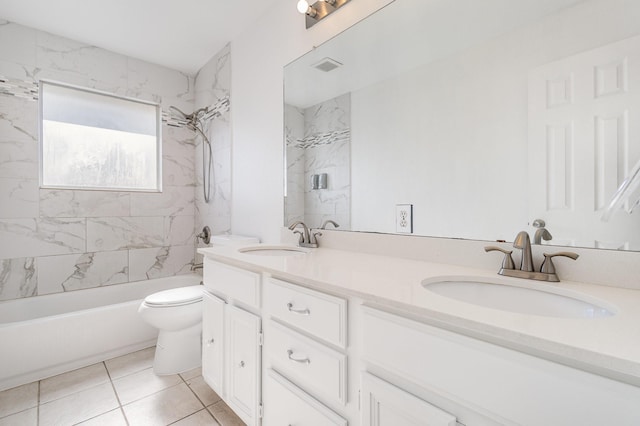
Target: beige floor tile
pixel 143 383
pixel 201 418
pixel 225 415
pixel 163 408
pixel 79 407
pixel 192 373
pixel 72 382
pixel 112 418
pixel 130 363
pixel 24 418
pixel 18 399
pixel 202 390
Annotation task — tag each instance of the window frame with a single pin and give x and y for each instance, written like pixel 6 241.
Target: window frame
pixel 41 84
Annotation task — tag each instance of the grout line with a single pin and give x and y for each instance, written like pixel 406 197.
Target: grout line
pixel 116 393
pixel 195 394
pixel 38 406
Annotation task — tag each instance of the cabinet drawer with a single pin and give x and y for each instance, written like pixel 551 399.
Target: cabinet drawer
pixel 286 404
pixel 235 283
pixel 319 314
pixel 310 364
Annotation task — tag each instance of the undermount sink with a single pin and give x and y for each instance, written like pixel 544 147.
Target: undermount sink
pixel 523 300
pixel 273 250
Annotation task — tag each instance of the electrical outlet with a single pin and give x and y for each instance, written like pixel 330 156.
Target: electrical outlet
pixel 404 218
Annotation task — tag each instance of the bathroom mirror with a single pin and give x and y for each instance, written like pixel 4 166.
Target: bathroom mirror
pixel 485 117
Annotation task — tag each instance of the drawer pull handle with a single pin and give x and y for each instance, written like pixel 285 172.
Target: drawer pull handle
pixel 301 361
pixel 298 311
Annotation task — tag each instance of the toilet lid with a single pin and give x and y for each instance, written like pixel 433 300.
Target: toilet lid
pixel 175 296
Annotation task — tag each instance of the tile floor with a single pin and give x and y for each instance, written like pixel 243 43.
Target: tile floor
pixel 120 391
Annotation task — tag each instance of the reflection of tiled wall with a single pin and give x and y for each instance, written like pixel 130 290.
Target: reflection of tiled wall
pixel 212 85
pixel 294 131
pixel 323 148
pixel 60 240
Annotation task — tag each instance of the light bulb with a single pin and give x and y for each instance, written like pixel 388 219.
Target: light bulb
pixel 303 6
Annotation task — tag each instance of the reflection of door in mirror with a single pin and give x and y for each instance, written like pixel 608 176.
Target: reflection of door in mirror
pixel 584 116
pixel 318 142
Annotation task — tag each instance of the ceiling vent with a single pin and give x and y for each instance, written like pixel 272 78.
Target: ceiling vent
pixel 327 64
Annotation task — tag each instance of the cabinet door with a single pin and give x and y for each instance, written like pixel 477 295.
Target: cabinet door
pixel 213 342
pixel 386 405
pixel 244 363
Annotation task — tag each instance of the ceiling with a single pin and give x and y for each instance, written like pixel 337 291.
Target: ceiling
pixel 181 35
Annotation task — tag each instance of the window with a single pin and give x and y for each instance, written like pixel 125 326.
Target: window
pixel 94 140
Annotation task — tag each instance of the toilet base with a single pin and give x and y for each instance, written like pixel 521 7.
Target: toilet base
pixel 178 351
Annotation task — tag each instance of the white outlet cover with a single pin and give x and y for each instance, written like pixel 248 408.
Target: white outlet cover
pixel 404 218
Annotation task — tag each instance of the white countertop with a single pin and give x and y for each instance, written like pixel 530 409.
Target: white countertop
pixel 608 346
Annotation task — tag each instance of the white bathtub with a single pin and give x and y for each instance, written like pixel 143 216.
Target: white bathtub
pixel 47 335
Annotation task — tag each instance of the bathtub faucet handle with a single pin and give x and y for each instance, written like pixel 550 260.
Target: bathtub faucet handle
pixel 205 235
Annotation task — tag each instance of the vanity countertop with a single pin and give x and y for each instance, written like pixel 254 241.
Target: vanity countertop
pixel 609 346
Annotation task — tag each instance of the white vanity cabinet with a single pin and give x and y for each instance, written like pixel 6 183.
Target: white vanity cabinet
pixel 386 405
pixel 213 342
pixel 232 338
pixel 287 404
pixel 305 347
pixel 482 383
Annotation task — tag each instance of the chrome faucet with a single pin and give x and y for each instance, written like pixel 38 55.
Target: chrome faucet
pixel 547 269
pixel 306 239
pixel 541 232
pixel 327 222
pixel 317 233
pixel 523 243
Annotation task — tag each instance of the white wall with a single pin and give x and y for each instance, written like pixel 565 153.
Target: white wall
pixel 453 134
pixel 258 58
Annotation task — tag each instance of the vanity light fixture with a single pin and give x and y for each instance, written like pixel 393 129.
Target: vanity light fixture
pixel 319 10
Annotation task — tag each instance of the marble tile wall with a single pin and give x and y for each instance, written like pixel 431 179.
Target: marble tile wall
pixel 63 240
pixel 213 86
pixel 318 141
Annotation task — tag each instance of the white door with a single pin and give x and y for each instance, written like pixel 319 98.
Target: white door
pixel 386 405
pixel 243 331
pixel 584 138
pixel 213 342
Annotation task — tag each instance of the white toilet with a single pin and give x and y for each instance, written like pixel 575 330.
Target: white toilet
pixel 177 313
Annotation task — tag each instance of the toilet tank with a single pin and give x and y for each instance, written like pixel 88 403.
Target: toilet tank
pixel 233 240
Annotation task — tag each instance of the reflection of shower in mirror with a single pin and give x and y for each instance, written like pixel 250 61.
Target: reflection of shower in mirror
pixel 626 195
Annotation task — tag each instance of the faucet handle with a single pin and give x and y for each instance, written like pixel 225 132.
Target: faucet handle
pixel 547 266
pixel 314 236
pixel 507 262
pixel 301 236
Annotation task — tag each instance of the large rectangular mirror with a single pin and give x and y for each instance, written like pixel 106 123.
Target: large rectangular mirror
pixel 487 117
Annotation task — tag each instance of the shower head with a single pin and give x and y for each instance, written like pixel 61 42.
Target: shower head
pixel 180 112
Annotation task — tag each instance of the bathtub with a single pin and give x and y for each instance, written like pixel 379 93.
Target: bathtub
pixel 47 335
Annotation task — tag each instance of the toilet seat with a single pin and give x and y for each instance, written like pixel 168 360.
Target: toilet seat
pixel 175 297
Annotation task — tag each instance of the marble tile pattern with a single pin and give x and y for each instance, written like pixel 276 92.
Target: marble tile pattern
pixel 212 90
pixel 57 240
pixel 120 391
pixel 318 141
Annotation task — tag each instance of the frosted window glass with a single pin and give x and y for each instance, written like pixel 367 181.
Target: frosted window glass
pixel 97 141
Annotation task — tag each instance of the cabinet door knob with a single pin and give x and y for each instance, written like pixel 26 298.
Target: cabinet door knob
pixel 241 364
pixel 300 360
pixel 210 341
pixel 298 311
